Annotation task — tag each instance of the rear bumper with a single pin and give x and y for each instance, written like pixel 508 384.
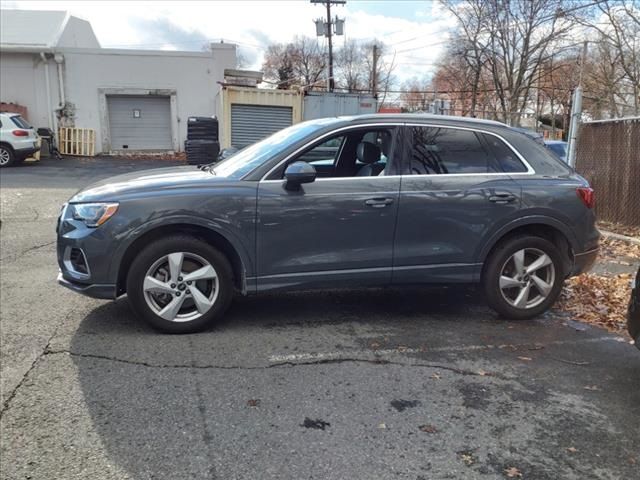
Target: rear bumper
pixel 105 292
pixel 26 152
pixel 583 262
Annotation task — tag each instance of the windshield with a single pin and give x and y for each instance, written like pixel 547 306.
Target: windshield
pixel 251 157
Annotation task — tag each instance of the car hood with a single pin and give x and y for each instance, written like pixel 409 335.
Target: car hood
pixel 147 181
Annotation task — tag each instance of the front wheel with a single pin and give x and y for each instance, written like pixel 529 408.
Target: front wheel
pixel 180 284
pixel 523 277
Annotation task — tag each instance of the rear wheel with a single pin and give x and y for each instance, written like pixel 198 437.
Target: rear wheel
pixel 7 157
pixel 180 284
pixel 523 277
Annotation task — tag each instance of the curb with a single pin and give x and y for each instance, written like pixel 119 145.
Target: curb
pixel 617 236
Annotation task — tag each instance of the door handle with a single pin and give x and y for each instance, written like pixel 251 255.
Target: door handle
pixel 502 198
pixel 378 202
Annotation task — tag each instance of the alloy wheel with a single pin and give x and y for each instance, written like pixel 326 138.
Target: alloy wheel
pixel 527 278
pixel 180 287
pixel 5 157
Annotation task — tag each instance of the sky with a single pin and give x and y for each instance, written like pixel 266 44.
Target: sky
pixel 415 32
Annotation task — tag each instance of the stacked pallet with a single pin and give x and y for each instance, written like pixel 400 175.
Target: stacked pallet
pixel 77 141
pixel 202 145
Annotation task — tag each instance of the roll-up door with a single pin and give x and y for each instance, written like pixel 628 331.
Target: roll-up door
pixel 250 123
pixel 140 122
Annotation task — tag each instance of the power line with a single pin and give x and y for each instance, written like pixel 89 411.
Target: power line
pixel 548 17
pixel 448 30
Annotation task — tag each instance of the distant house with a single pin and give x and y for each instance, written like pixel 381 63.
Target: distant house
pixel 135 100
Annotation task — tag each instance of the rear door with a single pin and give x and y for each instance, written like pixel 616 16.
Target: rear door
pixel 455 190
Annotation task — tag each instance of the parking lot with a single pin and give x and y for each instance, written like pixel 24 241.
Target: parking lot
pixel 367 384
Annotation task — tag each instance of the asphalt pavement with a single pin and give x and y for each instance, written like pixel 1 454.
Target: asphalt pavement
pixel 414 384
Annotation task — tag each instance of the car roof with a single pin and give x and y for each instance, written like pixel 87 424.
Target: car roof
pixel 554 142
pixel 10 114
pixel 408 117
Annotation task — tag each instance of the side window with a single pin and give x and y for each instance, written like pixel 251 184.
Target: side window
pixel 323 157
pixel 505 157
pixel 20 122
pixel 356 153
pixel 437 150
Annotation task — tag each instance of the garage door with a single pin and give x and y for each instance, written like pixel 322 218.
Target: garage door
pixel 140 123
pixel 250 123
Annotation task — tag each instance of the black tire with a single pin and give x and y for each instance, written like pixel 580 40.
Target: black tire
pixel 7 157
pixel 493 270
pixel 189 245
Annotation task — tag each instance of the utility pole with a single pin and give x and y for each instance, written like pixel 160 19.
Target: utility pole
pixel 374 74
pixel 576 111
pixel 326 29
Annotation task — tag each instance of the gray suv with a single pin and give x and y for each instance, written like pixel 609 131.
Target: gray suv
pixel 343 202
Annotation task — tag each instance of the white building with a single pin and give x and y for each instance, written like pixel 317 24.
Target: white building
pixel 52 64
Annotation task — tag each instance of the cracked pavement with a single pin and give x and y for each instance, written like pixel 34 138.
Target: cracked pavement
pixel 364 384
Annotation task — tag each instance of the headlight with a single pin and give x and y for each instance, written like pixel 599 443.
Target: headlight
pixel 94 214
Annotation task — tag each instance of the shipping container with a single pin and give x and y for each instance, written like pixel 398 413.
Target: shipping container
pixel 324 104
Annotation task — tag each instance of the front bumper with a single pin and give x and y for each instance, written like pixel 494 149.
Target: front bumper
pixel 582 262
pixel 105 292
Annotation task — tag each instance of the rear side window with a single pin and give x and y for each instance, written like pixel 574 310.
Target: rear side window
pixel 20 122
pixel 505 157
pixel 438 150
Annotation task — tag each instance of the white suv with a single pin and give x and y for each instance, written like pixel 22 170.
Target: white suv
pixel 18 139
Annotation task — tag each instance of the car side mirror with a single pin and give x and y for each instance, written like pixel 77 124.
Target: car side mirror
pixel 298 173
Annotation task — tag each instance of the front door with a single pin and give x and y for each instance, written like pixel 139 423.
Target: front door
pixel 456 190
pixel 337 230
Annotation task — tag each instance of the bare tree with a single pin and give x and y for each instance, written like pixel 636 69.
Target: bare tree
pixel 522 37
pixel 349 67
pixel 471 43
pixel 278 66
pixel 300 63
pixel 308 61
pixel 416 96
pixel 510 39
pixel 618 26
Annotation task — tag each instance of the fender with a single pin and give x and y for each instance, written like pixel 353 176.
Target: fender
pixel 530 219
pixel 214 225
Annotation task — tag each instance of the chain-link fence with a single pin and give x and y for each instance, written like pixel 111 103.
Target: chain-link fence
pixel 608 155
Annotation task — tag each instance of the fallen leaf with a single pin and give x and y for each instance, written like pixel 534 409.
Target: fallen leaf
pixel 436 376
pixel 593 388
pixel 572 449
pixel 525 359
pixel 512 472
pixel 598 299
pixel 468 459
pixel 253 402
pixel 428 429
pixel 482 373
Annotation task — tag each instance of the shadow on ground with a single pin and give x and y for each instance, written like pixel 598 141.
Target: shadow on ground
pixel 212 405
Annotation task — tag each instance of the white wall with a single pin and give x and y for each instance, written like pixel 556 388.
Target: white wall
pixel 22 81
pixel 193 76
pixel 78 34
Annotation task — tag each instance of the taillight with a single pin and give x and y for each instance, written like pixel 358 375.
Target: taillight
pixel 587 195
pixel 20 133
